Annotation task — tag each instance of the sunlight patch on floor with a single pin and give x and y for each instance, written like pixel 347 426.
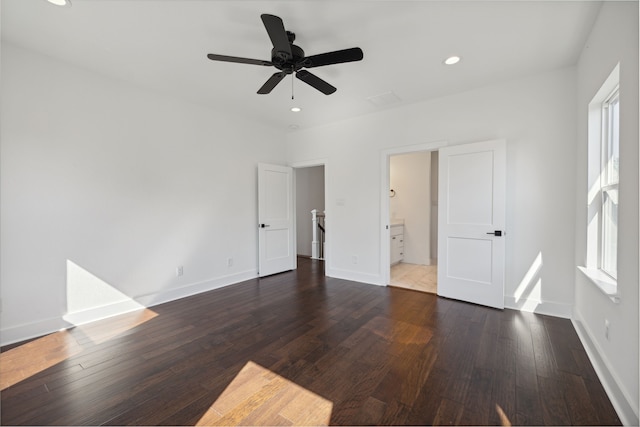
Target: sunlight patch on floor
pixel 85 292
pixel 257 396
pixel 504 420
pixel 98 333
pixel 33 357
pixel 398 332
pixel 24 361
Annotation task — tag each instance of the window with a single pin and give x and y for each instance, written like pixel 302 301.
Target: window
pixel 601 265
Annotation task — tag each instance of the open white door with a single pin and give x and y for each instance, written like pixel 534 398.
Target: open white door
pixel 471 212
pixel 276 250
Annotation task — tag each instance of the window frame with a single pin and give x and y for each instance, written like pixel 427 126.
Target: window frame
pixel 609 184
pixel 599 186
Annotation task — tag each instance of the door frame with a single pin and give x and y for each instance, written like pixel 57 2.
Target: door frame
pixel 385 220
pixel 309 164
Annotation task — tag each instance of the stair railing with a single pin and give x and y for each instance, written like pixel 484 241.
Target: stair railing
pixel 318 233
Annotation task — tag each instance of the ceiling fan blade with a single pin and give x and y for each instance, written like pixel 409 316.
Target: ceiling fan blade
pixel 225 58
pixel 273 81
pixel 336 57
pixel 278 35
pixel 315 81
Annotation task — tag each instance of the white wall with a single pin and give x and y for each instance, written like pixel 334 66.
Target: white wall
pixel 409 176
pixel 125 184
pixel 614 39
pixel 536 115
pixel 309 196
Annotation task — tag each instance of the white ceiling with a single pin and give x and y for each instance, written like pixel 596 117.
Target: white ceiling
pixel 162 45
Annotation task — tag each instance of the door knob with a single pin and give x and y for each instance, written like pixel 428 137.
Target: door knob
pixel 264 225
pixel 497 233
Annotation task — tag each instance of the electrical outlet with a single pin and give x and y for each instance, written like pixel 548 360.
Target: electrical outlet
pixel 606 328
pixel 179 271
pixel 229 262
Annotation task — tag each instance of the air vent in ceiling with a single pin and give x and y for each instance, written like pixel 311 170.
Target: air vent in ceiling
pixel 384 99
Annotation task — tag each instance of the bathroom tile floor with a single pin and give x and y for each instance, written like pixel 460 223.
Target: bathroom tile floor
pixel 414 276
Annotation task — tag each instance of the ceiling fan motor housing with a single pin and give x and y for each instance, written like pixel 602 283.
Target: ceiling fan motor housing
pixel 282 62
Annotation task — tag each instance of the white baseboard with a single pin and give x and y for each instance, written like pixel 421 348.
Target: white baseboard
pixel 103 312
pixel 32 330
pixel 370 279
pixel 625 407
pixel 46 326
pixel 149 300
pixel 540 307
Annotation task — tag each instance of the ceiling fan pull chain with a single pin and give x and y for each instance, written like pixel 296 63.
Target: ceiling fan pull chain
pixel 292 86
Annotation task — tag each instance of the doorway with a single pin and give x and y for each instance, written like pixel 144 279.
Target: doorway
pixel 310 212
pixel 429 208
pixel 472 199
pixel 413 210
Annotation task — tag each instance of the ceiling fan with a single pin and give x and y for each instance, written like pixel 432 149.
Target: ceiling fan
pixel 289 58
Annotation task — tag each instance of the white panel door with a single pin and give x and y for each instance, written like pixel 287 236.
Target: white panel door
pixel 276 251
pixel 471 214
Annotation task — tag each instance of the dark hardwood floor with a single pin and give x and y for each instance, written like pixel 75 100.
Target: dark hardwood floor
pixel 379 355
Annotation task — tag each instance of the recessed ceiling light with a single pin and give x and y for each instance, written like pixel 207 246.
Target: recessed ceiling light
pixel 452 60
pixel 295 109
pixel 66 3
pixel 294 127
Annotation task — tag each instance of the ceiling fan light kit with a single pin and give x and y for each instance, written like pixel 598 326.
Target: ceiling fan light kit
pixel 290 59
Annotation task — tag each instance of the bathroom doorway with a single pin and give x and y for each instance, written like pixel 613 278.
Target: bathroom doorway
pixel 413 220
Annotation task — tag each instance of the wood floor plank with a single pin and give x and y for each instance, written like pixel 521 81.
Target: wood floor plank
pixel 506 355
pixel 584 367
pixel 528 406
pixel 580 407
pixel 564 347
pixel 503 409
pixel 370 413
pixel 373 355
pixel 449 413
pixel 477 404
pixel 554 408
pixel 543 354
pixel 487 351
pixel 600 401
pixel 426 405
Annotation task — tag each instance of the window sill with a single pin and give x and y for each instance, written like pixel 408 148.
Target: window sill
pixel 606 284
